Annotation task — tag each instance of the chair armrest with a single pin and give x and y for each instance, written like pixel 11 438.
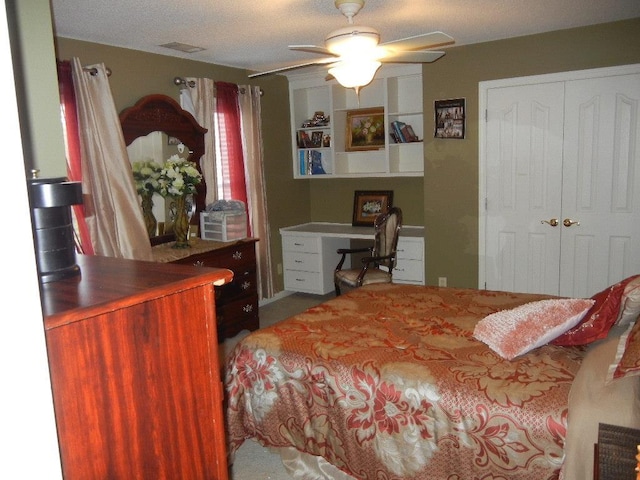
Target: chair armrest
pixel 345 251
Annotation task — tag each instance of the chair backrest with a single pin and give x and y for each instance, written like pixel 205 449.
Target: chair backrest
pixel 387 229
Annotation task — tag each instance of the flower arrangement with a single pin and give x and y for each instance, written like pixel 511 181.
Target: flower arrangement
pixel 178 177
pixel 146 175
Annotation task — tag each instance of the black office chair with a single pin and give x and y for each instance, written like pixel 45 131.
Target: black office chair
pixel 378 266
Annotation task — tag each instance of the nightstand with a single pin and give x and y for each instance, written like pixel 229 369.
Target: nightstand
pixel 615 453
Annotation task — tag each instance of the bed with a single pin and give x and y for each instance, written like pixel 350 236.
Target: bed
pixel 389 382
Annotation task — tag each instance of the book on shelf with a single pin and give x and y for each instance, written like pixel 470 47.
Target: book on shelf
pixel 311 162
pixel 396 127
pixel 408 134
pixel 402 132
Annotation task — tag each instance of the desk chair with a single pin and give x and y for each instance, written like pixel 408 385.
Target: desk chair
pixel 378 266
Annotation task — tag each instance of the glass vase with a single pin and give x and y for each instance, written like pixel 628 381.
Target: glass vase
pixel 150 221
pixel 181 223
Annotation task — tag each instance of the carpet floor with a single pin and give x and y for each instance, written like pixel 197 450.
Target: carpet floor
pixel 252 460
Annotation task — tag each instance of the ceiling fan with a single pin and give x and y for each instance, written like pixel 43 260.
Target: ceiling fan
pixel 354 53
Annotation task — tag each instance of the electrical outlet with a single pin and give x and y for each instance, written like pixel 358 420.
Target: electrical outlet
pixel 442 281
pixel 279 269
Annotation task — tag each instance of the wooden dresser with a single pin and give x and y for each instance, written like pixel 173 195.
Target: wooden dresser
pixel 237 301
pixel 134 369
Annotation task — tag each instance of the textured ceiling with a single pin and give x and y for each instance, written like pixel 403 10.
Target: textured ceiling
pixel 254 34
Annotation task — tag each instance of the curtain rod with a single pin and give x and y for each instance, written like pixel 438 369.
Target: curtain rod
pixel 181 81
pixel 93 71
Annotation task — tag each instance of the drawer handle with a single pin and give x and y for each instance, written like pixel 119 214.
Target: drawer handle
pixel 246 285
pixel 298 261
pixel 299 279
pixel 198 263
pixel 298 244
pixel 237 255
pixel 247 308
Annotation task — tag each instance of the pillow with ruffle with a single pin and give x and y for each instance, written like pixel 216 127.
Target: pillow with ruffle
pixel 630 302
pixel 601 317
pixel 516 331
pixel 627 361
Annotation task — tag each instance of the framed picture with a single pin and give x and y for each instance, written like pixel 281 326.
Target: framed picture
pixel 367 205
pixel 450 118
pixel 316 139
pixel 365 129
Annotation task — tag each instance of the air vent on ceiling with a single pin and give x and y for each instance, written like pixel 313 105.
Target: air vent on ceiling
pixel 182 47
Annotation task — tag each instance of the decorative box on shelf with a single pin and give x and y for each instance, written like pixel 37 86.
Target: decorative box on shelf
pixel 223 226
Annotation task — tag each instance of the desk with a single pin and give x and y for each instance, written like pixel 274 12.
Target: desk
pixel 309 254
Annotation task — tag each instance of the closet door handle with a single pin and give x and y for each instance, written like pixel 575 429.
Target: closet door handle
pixel 553 222
pixel 567 222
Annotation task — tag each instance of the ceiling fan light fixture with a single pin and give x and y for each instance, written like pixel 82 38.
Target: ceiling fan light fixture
pixel 354 73
pixel 352 41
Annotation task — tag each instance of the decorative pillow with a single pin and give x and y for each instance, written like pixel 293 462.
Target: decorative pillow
pixel 627 362
pixel 514 332
pixel 598 321
pixel 630 302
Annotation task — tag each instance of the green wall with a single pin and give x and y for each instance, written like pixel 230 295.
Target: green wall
pixel 451 166
pixel 445 201
pixel 136 74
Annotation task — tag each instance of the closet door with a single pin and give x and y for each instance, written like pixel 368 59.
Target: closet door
pixel 601 186
pixel 563 185
pixel 523 187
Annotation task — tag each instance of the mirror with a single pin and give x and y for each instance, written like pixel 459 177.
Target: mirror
pixel 156 127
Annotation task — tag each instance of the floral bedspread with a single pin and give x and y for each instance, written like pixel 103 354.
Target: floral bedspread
pixel 386 382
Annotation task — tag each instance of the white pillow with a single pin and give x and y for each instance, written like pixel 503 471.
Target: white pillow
pixel 514 332
pixel 630 303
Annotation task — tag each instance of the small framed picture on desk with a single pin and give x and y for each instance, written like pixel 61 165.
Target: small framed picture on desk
pixel 367 205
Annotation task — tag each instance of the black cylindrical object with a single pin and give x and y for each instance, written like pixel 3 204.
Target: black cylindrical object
pixel 51 200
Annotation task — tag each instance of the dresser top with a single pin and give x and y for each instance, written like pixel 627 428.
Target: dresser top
pixel 166 253
pixel 105 284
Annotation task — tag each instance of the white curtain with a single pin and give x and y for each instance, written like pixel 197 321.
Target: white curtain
pixel 114 216
pixel 200 102
pixel 250 112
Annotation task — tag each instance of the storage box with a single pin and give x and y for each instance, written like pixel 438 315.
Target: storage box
pixel 223 226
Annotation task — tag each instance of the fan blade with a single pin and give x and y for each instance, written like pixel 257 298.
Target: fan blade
pixel 320 61
pixel 425 56
pixel 311 49
pixel 420 42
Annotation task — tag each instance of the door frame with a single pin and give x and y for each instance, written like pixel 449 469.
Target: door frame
pixel 483 93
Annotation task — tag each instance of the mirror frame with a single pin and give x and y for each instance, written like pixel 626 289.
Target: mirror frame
pixel 158 112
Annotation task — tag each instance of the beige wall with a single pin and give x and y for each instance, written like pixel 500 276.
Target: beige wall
pixel 451 166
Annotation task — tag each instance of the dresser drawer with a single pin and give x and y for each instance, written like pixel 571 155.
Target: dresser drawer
pixel 412 250
pixel 243 284
pixel 300 281
pixel 292 243
pixel 238 315
pixel 408 271
pixel 237 258
pixel 307 262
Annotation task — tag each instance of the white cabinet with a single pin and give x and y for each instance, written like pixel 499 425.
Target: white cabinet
pixel 397 89
pixel 309 262
pixel 309 255
pixel 410 261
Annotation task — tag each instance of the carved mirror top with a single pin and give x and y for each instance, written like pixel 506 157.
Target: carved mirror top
pixel 162 113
